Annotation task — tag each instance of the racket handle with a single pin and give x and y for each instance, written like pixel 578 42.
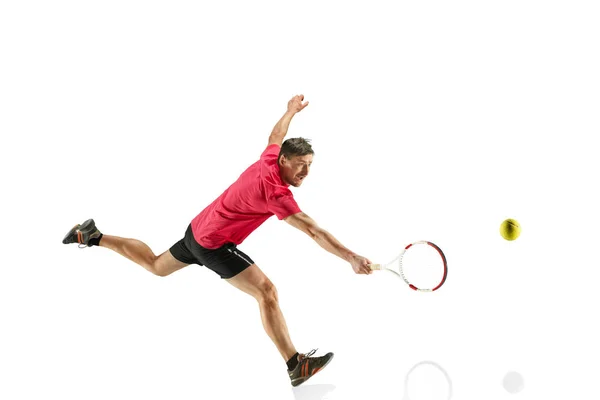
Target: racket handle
pixel 375 267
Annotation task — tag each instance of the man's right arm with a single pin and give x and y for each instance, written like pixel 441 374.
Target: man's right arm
pixel 327 241
pixel 281 127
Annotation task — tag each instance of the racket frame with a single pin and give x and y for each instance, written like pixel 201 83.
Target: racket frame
pixel 400 272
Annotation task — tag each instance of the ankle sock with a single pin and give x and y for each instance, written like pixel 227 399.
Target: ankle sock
pixel 292 362
pixel 95 241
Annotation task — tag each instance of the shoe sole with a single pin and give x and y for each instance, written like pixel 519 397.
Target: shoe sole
pixel 319 370
pixel 87 225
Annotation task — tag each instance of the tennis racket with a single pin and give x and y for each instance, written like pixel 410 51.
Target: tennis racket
pixel 422 265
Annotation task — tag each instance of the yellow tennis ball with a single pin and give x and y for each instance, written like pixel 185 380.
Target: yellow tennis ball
pixel 510 229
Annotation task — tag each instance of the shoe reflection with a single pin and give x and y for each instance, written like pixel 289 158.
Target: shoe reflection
pixel 312 392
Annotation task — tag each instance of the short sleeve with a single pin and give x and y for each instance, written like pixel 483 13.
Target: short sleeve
pixel 283 205
pixel 271 152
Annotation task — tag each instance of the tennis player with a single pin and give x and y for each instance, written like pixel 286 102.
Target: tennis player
pixel 213 236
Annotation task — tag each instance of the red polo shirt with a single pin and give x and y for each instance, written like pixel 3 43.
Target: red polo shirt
pixel 254 197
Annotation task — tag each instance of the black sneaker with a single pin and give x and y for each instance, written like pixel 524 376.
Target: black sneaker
pixel 82 233
pixel 308 366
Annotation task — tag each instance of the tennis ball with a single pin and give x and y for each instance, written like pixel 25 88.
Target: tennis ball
pixel 510 229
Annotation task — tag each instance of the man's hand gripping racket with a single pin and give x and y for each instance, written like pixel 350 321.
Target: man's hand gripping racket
pixel 361 265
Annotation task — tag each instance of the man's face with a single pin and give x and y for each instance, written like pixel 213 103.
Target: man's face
pixel 295 169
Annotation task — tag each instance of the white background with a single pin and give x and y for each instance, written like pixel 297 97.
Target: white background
pixel 430 120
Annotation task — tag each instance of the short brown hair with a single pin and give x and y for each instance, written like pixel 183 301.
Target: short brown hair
pixel 295 147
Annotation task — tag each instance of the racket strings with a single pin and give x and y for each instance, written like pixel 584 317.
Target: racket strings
pixel 422 266
pixel 402 271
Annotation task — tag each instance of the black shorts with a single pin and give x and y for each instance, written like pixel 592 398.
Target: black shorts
pixel 227 261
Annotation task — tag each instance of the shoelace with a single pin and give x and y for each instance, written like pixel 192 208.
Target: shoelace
pixel 82 245
pixel 310 353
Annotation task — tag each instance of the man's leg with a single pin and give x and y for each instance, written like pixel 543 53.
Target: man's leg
pixel 141 254
pixel 89 235
pixel 300 366
pixel 254 282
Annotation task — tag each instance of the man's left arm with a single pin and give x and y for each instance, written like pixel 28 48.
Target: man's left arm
pixel 281 127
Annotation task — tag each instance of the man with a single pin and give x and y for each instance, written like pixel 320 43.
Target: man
pixel 212 237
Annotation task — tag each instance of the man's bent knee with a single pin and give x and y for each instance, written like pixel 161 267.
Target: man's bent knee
pixel 165 264
pixel 154 266
pixel 267 293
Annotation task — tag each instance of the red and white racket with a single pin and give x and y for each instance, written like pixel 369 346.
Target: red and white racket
pixel 422 265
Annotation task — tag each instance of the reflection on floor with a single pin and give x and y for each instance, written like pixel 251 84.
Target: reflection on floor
pixel 312 392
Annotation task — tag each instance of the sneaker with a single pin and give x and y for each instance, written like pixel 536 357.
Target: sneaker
pixel 308 366
pixel 82 233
